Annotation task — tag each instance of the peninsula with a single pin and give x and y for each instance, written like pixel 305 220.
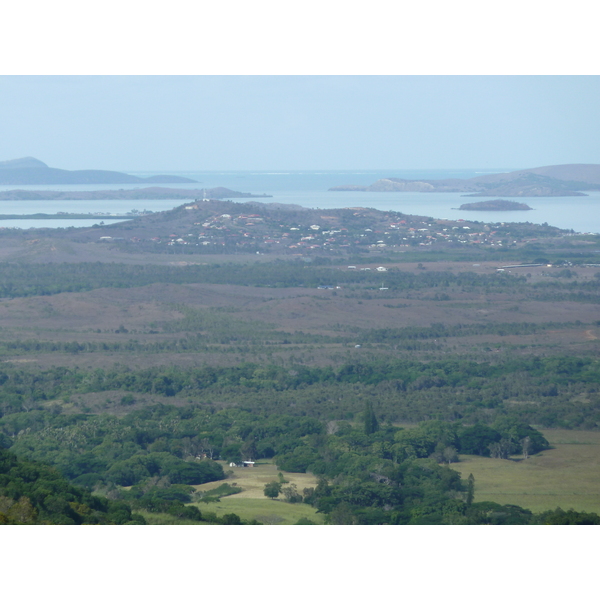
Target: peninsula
pixel 557 180
pixel 31 171
pixel 149 193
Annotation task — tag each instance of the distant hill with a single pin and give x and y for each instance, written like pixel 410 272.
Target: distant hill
pixel 558 180
pixel 23 163
pixel 573 173
pixel 31 171
pixel 233 228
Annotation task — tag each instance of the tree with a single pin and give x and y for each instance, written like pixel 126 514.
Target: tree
pixel 444 452
pixel 526 444
pixel 207 447
pixel 470 489
pixel 248 450
pixel 570 517
pixel 272 489
pixel 370 422
pixel 231 519
pixel 341 515
pixel 502 449
pixel 291 494
pixel 450 454
pixel 477 439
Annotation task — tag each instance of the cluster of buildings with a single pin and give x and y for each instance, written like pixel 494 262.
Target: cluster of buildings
pixel 339 231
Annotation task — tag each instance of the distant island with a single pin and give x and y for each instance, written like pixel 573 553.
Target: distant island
pixel 495 205
pixel 31 171
pixel 557 180
pixel 151 193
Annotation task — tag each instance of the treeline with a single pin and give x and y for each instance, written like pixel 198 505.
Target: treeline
pixel 245 334
pixel 560 391
pixel 441 331
pixel 406 375
pixel 17 280
pixel 241 342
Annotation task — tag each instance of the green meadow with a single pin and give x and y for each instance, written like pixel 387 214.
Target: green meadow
pixel 567 475
pixel 251 503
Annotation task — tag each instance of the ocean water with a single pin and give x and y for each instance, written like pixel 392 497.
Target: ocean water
pixel 309 189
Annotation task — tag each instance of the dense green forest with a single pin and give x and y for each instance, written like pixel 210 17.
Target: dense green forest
pixel 370 473
pixel 536 390
pixel 32 493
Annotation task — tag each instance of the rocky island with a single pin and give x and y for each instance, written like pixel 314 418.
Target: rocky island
pixel 495 205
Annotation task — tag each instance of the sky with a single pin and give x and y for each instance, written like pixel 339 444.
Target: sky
pixel 294 122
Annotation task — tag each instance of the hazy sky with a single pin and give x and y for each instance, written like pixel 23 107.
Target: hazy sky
pixel 186 123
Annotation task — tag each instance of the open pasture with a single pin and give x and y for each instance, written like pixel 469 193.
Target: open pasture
pixel 251 503
pixel 568 475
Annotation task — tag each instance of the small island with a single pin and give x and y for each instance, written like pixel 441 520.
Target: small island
pixel 496 205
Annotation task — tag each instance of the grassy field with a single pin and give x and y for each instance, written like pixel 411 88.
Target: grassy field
pixel 251 503
pixel 568 475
